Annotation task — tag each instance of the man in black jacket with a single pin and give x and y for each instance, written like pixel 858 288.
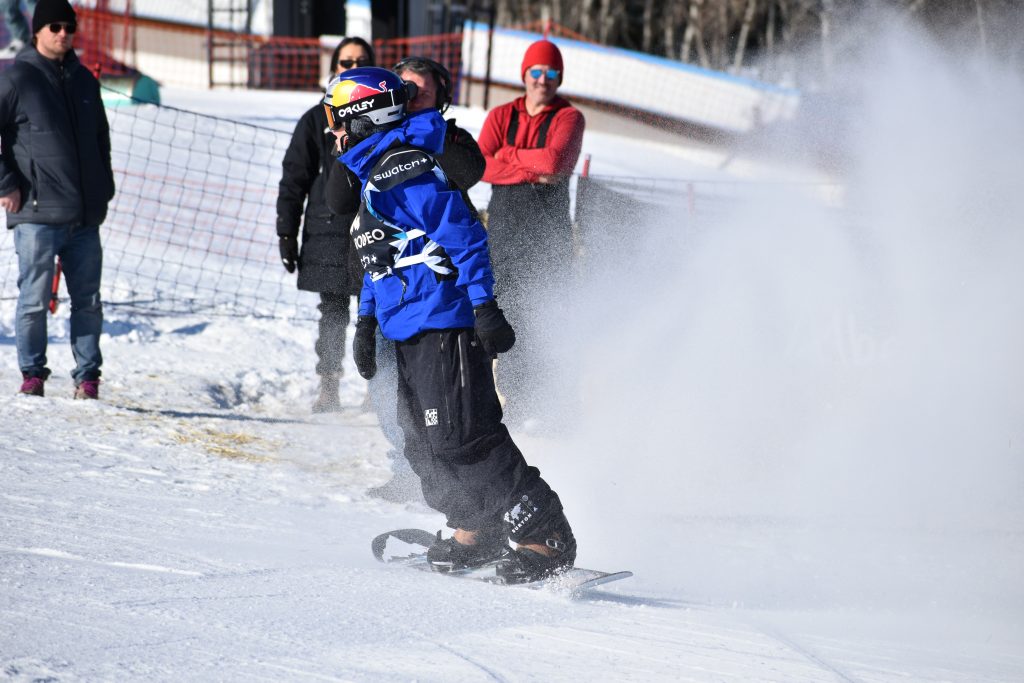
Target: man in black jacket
pixel 462 160
pixel 55 183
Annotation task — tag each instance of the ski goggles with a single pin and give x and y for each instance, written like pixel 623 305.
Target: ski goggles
pixel 69 26
pixel 552 74
pixel 367 105
pixel 332 122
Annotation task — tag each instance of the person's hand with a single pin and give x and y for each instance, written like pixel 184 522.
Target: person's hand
pixel 550 179
pixel 364 346
pixel 11 202
pixel 289 252
pixel 494 332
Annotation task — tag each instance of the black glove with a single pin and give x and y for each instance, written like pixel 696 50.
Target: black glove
pixel 289 252
pixel 364 346
pixel 492 329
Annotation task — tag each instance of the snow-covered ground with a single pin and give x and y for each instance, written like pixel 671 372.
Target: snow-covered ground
pixel 801 431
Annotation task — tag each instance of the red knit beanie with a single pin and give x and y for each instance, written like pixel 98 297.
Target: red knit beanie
pixel 542 52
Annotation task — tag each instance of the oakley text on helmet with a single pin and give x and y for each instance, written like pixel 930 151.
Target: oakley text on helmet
pixel 376 95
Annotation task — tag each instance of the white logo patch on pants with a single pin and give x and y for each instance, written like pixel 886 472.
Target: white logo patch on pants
pixel 431 417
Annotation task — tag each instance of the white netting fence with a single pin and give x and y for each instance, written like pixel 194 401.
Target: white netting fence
pixel 192 226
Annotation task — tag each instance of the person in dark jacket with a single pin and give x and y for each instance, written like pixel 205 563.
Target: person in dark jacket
pixel 531 145
pixel 322 258
pixel 461 159
pixel 428 286
pixel 56 181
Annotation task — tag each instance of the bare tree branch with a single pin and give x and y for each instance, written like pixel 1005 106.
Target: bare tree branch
pixel 748 19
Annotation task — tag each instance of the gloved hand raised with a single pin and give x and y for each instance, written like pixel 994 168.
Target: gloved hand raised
pixel 492 329
pixel 364 346
pixel 289 252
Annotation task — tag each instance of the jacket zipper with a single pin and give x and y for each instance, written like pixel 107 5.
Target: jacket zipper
pixel 63 77
pixel 34 196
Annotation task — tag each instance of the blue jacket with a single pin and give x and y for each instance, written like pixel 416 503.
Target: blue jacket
pixel 425 256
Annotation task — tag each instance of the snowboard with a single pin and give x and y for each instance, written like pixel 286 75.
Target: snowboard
pixel 408 547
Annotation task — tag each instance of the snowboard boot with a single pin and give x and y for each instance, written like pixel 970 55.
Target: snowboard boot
pixel 540 555
pixel 482 547
pixel 327 401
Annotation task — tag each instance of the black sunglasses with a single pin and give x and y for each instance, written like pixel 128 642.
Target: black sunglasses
pixel 349 63
pixel 68 26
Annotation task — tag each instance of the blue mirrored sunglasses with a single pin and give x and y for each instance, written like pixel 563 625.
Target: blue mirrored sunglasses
pixel 552 74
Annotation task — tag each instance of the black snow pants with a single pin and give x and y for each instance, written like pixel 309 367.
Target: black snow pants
pixel 529 234
pixel 330 343
pixel 471 470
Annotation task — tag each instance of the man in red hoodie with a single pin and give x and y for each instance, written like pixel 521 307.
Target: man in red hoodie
pixel 531 146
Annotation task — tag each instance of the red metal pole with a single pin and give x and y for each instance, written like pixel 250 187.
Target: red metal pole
pixel 54 300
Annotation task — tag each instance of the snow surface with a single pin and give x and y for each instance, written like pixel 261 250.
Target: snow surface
pixel 801 431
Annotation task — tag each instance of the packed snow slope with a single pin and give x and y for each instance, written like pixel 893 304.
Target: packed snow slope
pixel 799 426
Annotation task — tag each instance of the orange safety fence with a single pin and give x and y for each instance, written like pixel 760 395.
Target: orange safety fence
pixel 444 49
pixel 120 44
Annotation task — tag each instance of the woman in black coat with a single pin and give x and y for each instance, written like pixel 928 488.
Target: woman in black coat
pixel 323 256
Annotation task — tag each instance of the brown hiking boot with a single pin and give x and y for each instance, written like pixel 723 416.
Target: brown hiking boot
pixel 88 388
pixel 32 386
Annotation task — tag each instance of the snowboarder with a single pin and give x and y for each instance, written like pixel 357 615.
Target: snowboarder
pixel 428 285
pixel 463 164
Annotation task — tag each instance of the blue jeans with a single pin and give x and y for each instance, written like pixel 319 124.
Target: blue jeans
pixel 82 257
pixel 17 25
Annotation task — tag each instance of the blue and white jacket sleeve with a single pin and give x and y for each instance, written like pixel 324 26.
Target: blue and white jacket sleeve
pixel 425 202
pixel 367 301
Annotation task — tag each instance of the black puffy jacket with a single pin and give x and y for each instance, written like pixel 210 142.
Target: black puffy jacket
pixel 54 141
pixel 462 160
pixel 325 245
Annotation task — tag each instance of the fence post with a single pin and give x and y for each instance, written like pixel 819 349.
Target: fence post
pixel 579 213
pixel 490 48
pixel 467 83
